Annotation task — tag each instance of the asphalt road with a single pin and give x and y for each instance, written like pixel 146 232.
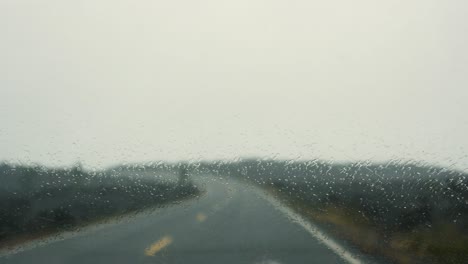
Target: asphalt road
pixel 231 223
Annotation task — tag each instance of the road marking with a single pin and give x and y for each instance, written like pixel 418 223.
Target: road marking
pixel 201 217
pixel 311 229
pixel 86 230
pixel 158 245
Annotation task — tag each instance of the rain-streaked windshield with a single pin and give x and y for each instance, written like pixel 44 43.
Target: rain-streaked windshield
pixel 263 132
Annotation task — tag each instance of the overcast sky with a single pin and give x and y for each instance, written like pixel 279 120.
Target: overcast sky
pixel 106 81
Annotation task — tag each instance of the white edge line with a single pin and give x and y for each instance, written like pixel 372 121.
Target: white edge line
pixel 311 229
pixel 83 231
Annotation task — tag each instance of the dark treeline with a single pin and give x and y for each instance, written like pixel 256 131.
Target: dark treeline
pixel 405 211
pixel 35 200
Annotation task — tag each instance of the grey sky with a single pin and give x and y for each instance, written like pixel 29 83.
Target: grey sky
pixel 111 81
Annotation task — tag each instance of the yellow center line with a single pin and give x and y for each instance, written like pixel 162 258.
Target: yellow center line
pixel 158 246
pixel 201 217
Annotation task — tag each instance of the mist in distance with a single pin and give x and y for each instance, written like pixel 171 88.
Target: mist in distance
pixel 105 82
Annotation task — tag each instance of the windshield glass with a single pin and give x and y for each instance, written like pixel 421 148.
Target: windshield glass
pixel 233 131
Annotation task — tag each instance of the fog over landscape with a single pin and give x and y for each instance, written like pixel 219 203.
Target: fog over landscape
pixel 246 131
pixel 105 82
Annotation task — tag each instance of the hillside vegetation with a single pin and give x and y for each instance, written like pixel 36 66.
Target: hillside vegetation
pixel 35 200
pixel 406 212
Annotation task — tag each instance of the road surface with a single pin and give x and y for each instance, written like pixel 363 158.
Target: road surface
pixel 230 223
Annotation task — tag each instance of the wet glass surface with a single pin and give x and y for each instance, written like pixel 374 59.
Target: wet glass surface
pixel 233 132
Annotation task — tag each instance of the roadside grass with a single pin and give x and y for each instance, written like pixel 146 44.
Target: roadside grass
pixel 38 202
pixel 440 243
pixel 19 239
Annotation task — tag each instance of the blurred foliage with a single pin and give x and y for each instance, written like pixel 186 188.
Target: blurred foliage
pixel 407 212
pixel 35 200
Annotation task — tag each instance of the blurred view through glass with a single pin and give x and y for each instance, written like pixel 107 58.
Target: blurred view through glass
pixel 233 131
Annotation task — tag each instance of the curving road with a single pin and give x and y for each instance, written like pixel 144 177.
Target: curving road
pixel 231 223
